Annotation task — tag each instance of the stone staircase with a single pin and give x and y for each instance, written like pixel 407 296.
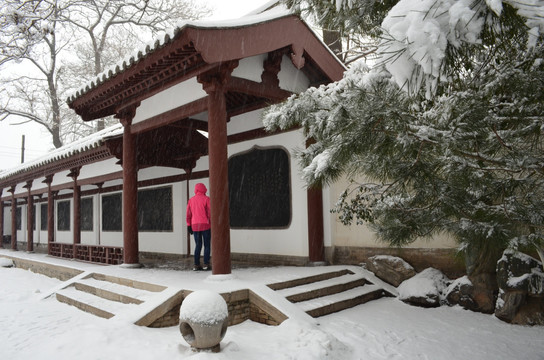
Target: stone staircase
pixel 143 303
pixel 107 296
pixel 329 292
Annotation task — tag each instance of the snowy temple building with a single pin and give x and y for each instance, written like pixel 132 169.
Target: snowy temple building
pixel 189 109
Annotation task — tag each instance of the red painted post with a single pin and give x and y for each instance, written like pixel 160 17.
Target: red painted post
pixel 29 218
pixel 1 221
pixel 187 191
pixel 130 193
pixel 13 219
pixel 316 248
pixel 74 173
pixel 50 213
pixel 214 85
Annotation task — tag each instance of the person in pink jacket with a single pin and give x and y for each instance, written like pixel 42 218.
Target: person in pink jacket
pixel 198 223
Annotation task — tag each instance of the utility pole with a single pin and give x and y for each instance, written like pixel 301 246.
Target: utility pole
pixel 23 150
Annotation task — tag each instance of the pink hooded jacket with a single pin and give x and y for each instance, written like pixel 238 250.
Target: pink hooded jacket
pixel 198 209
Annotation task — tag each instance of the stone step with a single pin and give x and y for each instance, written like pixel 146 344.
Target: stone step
pixel 129 282
pixel 346 299
pixel 323 288
pixel 91 303
pixel 83 306
pixel 106 296
pixel 112 291
pixel 308 280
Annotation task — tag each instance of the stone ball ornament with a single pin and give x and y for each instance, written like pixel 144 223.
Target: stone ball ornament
pixel 203 320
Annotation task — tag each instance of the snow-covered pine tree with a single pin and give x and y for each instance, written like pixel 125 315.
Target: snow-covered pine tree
pixel 445 129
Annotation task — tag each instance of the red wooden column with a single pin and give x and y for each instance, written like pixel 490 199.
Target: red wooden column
pixel 130 192
pixel 29 218
pixel 50 213
pixel 214 85
pixel 188 171
pixel 316 248
pixel 13 219
pixel 1 220
pixel 74 173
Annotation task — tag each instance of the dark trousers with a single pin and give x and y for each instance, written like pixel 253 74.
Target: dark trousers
pixel 202 236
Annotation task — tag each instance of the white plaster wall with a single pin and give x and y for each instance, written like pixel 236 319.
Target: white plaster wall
pixel 245 122
pixel 291 78
pixel 62 178
pixel 66 237
pixel 42 234
pixel 158 172
pixel 361 235
pixel 250 68
pixel 327 230
pixel 19 189
pixel 39 184
pixel 89 237
pixel 109 238
pixel 175 96
pixel 21 234
pixel 38 238
pixel 7 220
pixel 172 242
pixel 99 168
pixel 292 241
pixel 202 164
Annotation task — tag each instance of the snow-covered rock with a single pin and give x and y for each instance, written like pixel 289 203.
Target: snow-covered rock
pixel 518 271
pixel 390 269
pixel 460 292
pixel 424 289
pixel 521 289
pixel 5 262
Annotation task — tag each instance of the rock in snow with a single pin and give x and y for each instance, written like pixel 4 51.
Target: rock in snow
pixel 521 289
pixel 5 262
pixel 424 289
pixel 390 269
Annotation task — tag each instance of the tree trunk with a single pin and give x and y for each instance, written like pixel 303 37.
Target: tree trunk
pixel 540 251
pixel 333 40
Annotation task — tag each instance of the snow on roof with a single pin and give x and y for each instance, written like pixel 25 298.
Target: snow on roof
pixel 269 6
pixel 131 60
pixel 85 144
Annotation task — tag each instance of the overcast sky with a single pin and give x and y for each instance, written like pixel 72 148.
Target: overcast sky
pixel 38 141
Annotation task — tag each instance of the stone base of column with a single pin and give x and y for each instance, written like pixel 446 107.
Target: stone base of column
pixel 317 263
pixel 131 266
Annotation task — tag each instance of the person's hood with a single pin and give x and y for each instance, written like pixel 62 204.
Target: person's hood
pixel 200 188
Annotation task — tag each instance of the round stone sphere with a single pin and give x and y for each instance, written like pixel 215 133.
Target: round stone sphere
pixel 203 320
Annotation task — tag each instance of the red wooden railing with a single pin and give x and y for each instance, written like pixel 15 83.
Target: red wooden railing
pixel 92 253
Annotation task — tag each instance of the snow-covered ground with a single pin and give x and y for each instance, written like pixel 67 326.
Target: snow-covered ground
pixel 35 326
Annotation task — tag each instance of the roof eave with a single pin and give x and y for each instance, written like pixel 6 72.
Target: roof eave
pixel 213 45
